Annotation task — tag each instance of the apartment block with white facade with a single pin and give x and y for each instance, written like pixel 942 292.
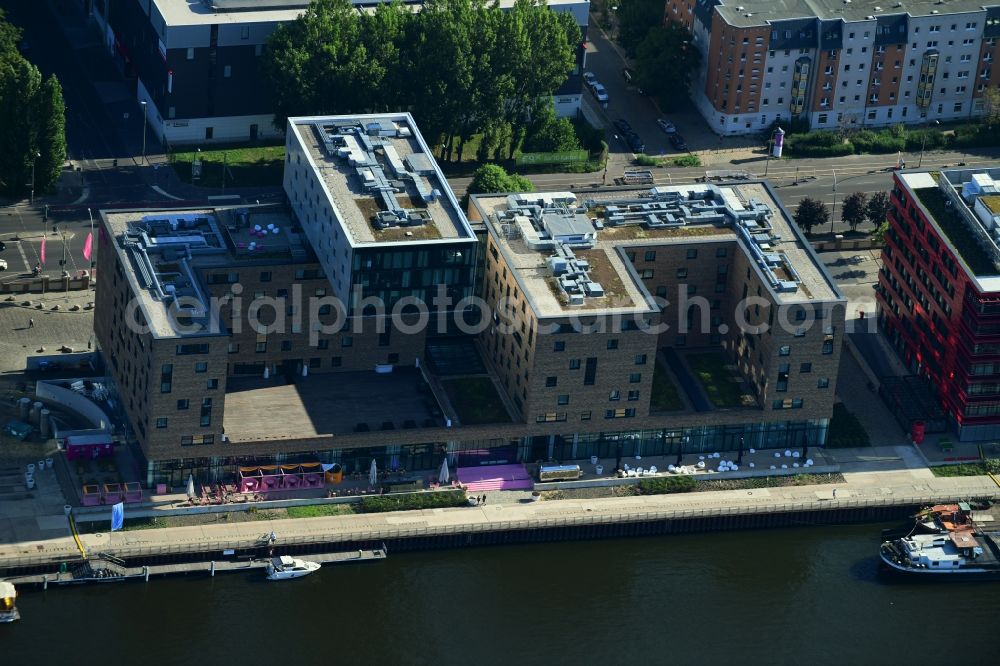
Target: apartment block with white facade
pixel 839 63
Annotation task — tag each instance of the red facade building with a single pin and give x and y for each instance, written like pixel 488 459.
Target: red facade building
pixel 939 290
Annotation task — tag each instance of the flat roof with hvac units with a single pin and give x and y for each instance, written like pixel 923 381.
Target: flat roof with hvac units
pixel 379 179
pixel 568 252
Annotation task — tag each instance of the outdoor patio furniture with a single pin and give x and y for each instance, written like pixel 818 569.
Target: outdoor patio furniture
pixel 91 495
pixel 113 493
pixel 133 491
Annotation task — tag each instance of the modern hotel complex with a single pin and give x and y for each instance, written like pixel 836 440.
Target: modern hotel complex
pixel 371 318
pixel 939 290
pixel 839 63
pixel 197 63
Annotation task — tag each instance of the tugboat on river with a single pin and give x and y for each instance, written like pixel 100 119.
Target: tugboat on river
pixel 954 555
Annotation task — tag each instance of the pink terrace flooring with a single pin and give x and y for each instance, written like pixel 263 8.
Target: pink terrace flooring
pixel 494 477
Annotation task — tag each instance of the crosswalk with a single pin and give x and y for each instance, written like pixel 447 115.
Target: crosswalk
pixel 28 254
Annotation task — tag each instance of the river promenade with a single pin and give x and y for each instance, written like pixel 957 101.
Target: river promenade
pixel 874 477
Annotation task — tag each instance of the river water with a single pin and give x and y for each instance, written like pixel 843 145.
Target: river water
pixel 793 596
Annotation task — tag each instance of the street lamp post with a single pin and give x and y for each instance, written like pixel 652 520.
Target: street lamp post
pixel 144 123
pixel 833 215
pixel 923 142
pixel 33 160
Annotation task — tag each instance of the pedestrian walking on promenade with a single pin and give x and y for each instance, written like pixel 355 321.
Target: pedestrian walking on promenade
pixel 31 323
pixel 834 493
pixel 484 499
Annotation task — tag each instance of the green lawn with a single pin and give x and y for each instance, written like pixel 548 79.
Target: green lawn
pixel 665 396
pixel 721 384
pixel 965 469
pixel 476 400
pixel 246 166
pixel 319 510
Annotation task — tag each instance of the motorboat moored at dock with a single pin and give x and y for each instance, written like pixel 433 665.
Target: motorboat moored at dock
pixel 284 567
pixel 8 603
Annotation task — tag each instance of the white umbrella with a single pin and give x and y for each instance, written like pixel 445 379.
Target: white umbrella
pixel 444 475
pixel 190 486
pixel 373 475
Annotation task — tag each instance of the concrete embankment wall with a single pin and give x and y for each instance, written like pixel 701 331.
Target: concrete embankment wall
pixel 478 532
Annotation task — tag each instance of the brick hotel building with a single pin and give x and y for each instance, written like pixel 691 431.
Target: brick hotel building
pixel 370 219
pixel 939 290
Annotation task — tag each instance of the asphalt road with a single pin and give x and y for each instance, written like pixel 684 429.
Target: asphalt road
pixel 104 123
pixel 21 230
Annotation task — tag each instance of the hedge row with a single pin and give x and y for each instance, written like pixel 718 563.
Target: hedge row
pixel 409 501
pixel 826 143
pixel 666 485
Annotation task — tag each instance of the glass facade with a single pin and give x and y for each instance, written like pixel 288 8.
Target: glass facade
pixel 391 274
pixel 411 457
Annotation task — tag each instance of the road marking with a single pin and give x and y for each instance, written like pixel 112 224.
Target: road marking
pixel 166 194
pixel 83 196
pixel 24 257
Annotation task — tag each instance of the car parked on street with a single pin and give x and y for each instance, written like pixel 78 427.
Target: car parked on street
pixel 589 79
pixel 666 125
pixel 600 94
pixel 3 246
pixel 3 264
pixel 677 141
pixel 635 142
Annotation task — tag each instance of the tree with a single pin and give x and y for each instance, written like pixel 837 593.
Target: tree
pixel 32 120
pixel 51 137
pixel 879 234
pixel 536 53
pixel 635 19
pixel 877 208
pixel 10 35
pixel 664 62
pixel 991 106
pixel 492 178
pixel 461 67
pixel 855 209
pixel 549 134
pixel 318 64
pixel 811 213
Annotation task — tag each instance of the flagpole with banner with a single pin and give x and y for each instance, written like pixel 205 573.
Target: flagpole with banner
pixel 88 246
pixel 117 516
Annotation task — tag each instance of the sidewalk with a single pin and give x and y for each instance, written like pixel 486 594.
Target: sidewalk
pixel 889 475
